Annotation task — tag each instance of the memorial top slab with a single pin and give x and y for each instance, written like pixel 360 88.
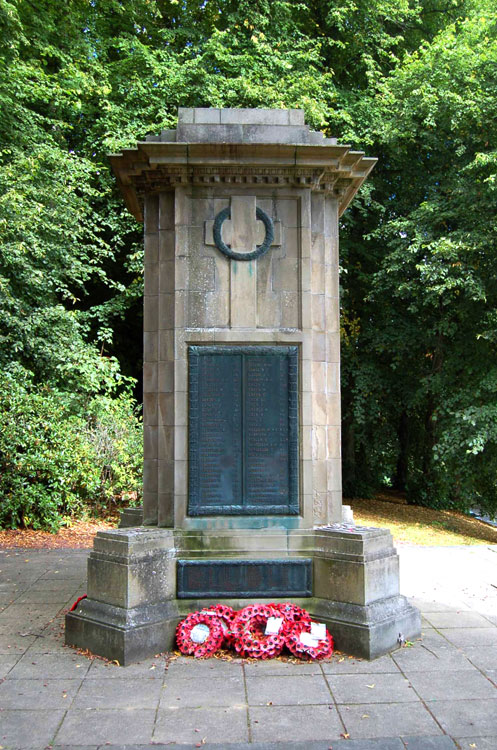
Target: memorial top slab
pixel 240 116
pixel 270 148
pixel 205 125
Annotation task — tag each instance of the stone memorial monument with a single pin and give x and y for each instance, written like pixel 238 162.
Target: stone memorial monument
pixel 242 474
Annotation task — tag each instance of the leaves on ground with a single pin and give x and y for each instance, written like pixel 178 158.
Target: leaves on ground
pixel 415 524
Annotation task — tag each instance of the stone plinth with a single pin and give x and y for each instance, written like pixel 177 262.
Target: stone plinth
pixel 242 472
pixel 133 604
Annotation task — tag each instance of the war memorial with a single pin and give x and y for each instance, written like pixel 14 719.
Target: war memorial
pixel 242 472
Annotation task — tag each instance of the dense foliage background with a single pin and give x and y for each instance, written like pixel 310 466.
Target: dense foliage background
pixel 413 82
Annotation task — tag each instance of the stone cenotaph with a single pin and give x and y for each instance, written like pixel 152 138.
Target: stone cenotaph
pixel 242 475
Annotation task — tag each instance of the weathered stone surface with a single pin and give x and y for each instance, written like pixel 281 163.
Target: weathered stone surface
pixel 132 586
pixel 241 162
pixel 131 517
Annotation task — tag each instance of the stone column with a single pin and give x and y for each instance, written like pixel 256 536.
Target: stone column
pixel 241 160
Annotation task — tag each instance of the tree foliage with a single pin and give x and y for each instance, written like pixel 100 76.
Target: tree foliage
pixel 410 81
pixel 427 322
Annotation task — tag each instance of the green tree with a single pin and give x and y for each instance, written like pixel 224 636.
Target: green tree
pixel 431 347
pixel 411 81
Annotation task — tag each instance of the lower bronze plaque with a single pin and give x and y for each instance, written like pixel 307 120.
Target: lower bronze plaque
pixel 244 578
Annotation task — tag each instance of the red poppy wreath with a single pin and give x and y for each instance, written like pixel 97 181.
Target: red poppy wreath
pixel 258 631
pixel 226 616
pixel 309 640
pixel 292 613
pixel 200 634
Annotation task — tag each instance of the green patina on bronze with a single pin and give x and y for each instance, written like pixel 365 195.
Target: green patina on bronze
pixel 252 254
pixel 243 436
pixel 244 578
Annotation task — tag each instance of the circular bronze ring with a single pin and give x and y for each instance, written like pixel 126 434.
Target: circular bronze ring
pixel 259 250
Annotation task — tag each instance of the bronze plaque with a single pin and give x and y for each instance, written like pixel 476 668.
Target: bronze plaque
pixel 243 430
pixel 265 579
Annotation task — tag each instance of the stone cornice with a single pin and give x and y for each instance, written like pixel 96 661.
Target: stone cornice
pixel 160 166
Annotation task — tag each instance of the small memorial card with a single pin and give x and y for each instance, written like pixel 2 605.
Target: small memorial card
pixel 273 625
pixel 199 633
pixel 318 631
pixel 307 639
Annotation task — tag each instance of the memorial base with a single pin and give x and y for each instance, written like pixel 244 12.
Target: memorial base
pixel 142 581
pixel 121 635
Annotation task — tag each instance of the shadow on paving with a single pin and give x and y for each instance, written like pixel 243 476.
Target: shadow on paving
pixel 438 693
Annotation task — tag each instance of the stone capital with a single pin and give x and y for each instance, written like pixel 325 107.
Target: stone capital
pixel 217 151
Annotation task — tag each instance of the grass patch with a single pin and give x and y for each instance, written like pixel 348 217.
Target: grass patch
pixel 414 524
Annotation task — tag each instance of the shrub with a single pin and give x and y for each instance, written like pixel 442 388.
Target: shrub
pixel 60 455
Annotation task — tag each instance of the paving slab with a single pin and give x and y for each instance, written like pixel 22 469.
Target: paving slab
pixel 454 685
pixel 47 642
pixel 19 578
pixel 154 668
pixel 58 584
pixel 433 639
pixel 289 723
pixel 481 743
pixel 191 668
pixel 14 622
pixel 442 604
pixel 15 643
pixel 192 726
pixel 286 690
pixel 7 661
pixel 382 744
pixel 464 637
pixel 99 726
pixel 9 588
pixel 191 693
pixel 371 720
pixel 127 692
pixel 55 666
pixel 429 743
pixel 22 728
pixel 275 667
pixel 457 620
pixel 466 718
pixel 8 597
pixel 346 665
pixel 422 659
pixel 56 595
pixel 372 688
pixel 483 658
pixel 38 694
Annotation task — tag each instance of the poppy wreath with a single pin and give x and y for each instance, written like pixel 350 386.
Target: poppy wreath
pixel 226 615
pixel 292 614
pixel 248 629
pixel 322 650
pixel 212 642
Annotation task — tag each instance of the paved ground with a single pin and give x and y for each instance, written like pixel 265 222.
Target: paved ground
pixel 440 693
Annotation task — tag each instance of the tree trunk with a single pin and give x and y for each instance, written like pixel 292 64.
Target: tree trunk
pixel 349 457
pixel 400 477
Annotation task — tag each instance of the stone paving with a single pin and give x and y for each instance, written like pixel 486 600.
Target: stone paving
pixel 437 694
